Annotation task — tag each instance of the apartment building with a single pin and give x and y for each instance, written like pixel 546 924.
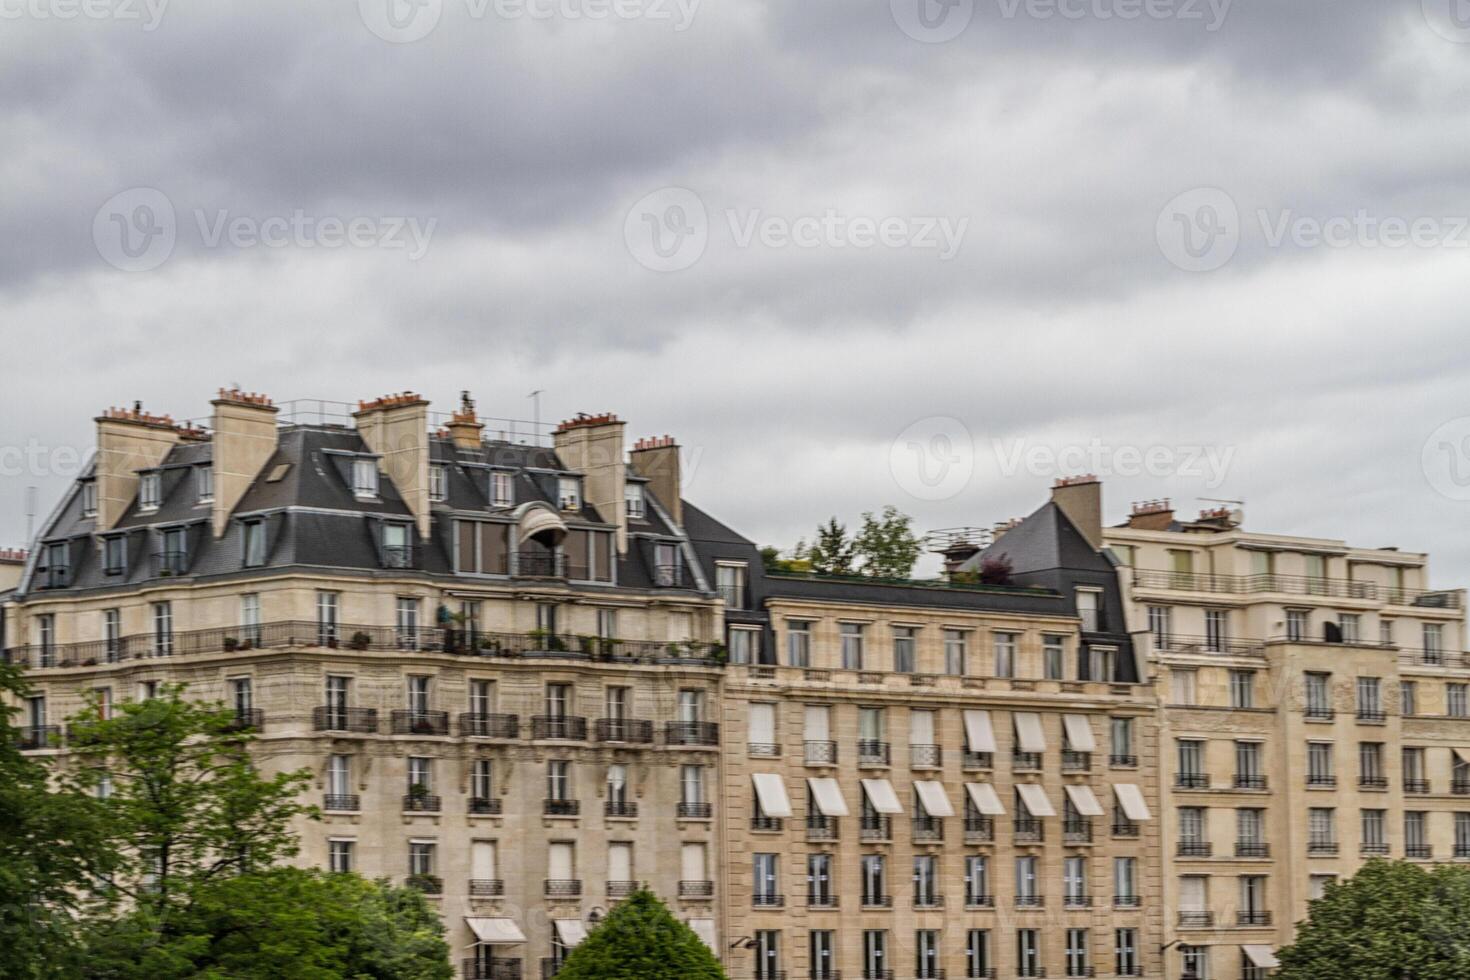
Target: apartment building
pixel 938 780
pixel 1314 716
pixel 498 654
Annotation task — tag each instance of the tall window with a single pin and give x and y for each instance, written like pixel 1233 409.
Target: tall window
pixel 1457 701
pixel 1191 757
pixel 1160 626
pixel 1319 764
pixel 730 582
pixel 1242 689
pixel 418 695
pixel 482 780
pixel 1433 643
pixel 1125 953
pixel 1351 626
pixel 1125 881
pixel 163 628
pixel 326 617
pixel 1028 952
pixel 875 952
pixel 977 954
pixel 339 856
pixel 569 493
pixel 1026 880
pixel 149 491
pixel 558 780
pixel 874 880
pixel 1409 697
pixel 365 477
pixel 1005 654
pixel 744 645
pixel 926 954
pixel 852 645
pixel 1296 624
pixel 502 489
pixel 766 883
pixel 1182 686
pixel 408 622
pixel 1370 701
pixel 1077 957
pixel 1120 732
pixel 768 955
pixel 1318 695
pixel 819 880
pixel 339 780
pixel 977 881
pixel 115 555
pixel 1321 827
pixel 1373 830
pixel 956 651
pixel 633 500
pixel 1217 630
pixel 1089 609
pixel 438 482
pixel 820 946
pixel 1053 657
pixel 799 642
pixel 905 645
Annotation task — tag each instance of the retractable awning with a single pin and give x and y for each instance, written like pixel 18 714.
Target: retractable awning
pixel 1028 732
pixel 1035 798
pixel 495 932
pixel 705 930
pixel 827 794
pixel 1130 798
pixel 1084 800
pixel 935 799
pixel 535 519
pixel 1261 956
pixel 881 795
pixel 570 931
pixel 770 789
pixel 1079 733
pixel 985 798
pixel 979 733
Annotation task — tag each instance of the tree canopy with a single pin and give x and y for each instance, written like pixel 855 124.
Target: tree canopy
pixel 641 940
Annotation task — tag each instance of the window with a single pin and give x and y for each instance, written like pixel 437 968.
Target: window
pixel 956 651
pixel 408 622
pixel 420 773
pixel 1319 695
pixel 149 491
pixel 1053 656
pixel 1319 764
pixel 1297 624
pixel 1385 632
pixel 418 695
pixel 546 618
pixel 1191 825
pixel 1248 765
pixel 1433 643
pixel 875 952
pixel 977 954
pixel 799 642
pixel 1317 885
pixel 617 785
pixel 744 645
pixel 1028 952
pixel 1414 778
pixel 558 700
pixel 1217 630
pixel 1242 689
pixel 482 780
pixel 115 555
pixel 1074 878
pixel 558 780
pixel 1462 834
pixel 569 493
pixel 1250 827
pixel 175 559
pixel 926 954
pixel 607 624
pixel 420 857
pixel 254 544
pixel 926 881
pixel 502 489
pixel 1457 703
pixel 1351 626
pixel 204 483
pixel 1370 701
pixel 1026 893
pixel 730 583
pixel 365 477
pixel 1160 622
pixel 1195 961
pixel 1005 654
pixel 852 645
pixel 326 617
pixel 819 880
pixel 339 856
pixel 905 643
pixel 633 500
pixel 1321 827
pixel 766 881
pixel 1120 731
pixel 691 705
pixel 1077 957
pixel 1126 961
pixel 1370 763
pixel 1409 697
pixel 89 499
pixel 1373 829
pixel 1125 882
pixel 977 881
pixel 768 955
pixel 163 629
pixel 874 876
pixel 821 946
pixel 1416 841
pixel 691 784
pixel 438 482
pixel 1191 757
pixel 1089 610
pixel 397 549
pixel 250 631
pixel 339 780
pixel 1182 686
pixel 242 696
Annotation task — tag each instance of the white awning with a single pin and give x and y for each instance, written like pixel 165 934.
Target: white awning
pixel 705 929
pixel 770 789
pixel 1463 755
pixel 1130 798
pixel 986 799
pixel 1084 801
pixel 570 931
pixel 495 932
pixel 1028 732
pixel 537 520
pixel 828 796
pixel 1079 733
pixel 1261 956
pixel 935 799
pixel 979 732
pixel 881 795
pixel 1035 799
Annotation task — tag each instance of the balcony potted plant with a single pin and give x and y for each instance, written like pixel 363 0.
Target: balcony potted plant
pixel 417 794
pixel 360 641
pixel 230 644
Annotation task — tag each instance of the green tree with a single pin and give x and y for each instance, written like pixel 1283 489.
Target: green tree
pixel 640 940
pixel 280 922
pixel 1391 921
pixel 887 544
pixel 54 846
pixel 832 552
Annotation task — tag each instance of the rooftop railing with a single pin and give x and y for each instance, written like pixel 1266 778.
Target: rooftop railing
pixel 1307 585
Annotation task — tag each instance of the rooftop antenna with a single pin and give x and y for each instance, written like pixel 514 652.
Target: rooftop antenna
pixel 30 514
pixel 535 397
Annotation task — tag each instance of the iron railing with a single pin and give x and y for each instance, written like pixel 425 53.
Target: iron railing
pixel 481 725
pixel 340 718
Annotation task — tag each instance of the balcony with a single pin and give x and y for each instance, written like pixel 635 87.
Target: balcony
pixel 1127 902
pixel 822 900
pixel 875 828
pixel 621 889
pixel 1080 971
pixel 1372 848
pixel 397 556
pixel 768 900
pixel 1028 830
pixel 1253 918
pixel 872 753
pixel 972 761
pixel 546 564
pixel 483 806
pixel 472 969
pixel 928 899
pixel 1217 646
pixel 1252 849
pixel 1316 780
pixel 1340 588
pixel 979 830
pixel 629 731
pixel 417 800
pixel 1030 901
pixel 33 737
pixel 669 576
pixel 563 888
pixel 1123 827
pixel 1078 831
pixel 339 718
pixel 877 974
pixel 247 720
pixel 926 757
pixel 1460 786
pixel 926 830
pixel 1322 847
pixel 1192 780
pixel 1076 761
pixel 821 828
pixel 341 802
pixel 1196 920
pixel 976 900
pixel 1249 781
pixel 1123 761
pixel 1077 901
pixel 561 808
pixel 875 901
pixel 692 733
pixel 486 888
pixel 763 750
pixel 1416 786
pixel 167 564
pixel 559 728
pixel 1372 716
pixel 820 753
pixel 1373 782
pixel 620 808
pixel 1318 712
pixel 696 890
pixel 426 883
pixel 766 825
pixel 1025 761
pixel 694 811
pixel 477 725
pixel 420 723
pixel 1195 849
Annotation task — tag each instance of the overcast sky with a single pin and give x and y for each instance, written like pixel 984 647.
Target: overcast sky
pixel 849 252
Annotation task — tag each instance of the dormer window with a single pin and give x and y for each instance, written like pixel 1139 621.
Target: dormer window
pixel 89 499
pixel 254 544
pixel 397 551
pixel 204 483
pixel 633 499
pixel 502 489
pixel 365 477
pixel 174 558
pixel 569 492
pixel 438 482
pixel 55 567
pixel 115 555
pixel 150 491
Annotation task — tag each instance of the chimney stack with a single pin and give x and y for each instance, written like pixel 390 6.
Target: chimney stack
pixel 593 446
pixel 128 440
pixel 244 441
pixel 464 425
pixel 1080 498
pixel 396 427
pixel 657 460
pixel 1152 515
